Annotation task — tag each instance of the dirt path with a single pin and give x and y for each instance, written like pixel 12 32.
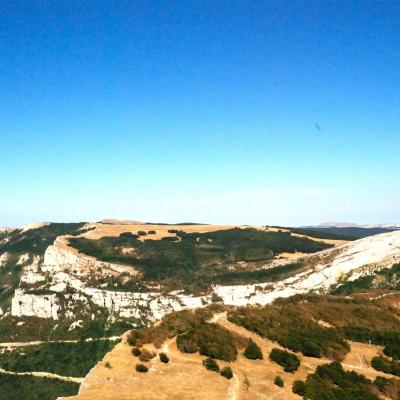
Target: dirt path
pixel 38 342
pixel 43 375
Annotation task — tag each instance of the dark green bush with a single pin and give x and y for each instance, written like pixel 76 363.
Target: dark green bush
pixel 299 387
pixel 141 368
pixel 164 358
pixel 211 364
pixel 279 381
pixel 253 351
pixel 332 382
pixel 386 365
pixel 136 352
pixel 227 373
pixel 289 361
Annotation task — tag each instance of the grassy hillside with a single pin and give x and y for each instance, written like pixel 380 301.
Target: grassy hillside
pixel 196 260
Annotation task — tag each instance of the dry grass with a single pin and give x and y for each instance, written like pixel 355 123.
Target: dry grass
pixel 185 378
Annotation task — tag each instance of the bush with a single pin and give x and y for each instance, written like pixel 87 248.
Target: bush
pixel 142 233
pixel 289 361
pixel 136 352
pixel 164 358
pixel 211 364
pixel 386 365
pixel 146 355
pixel 151 232
pixel 227 373
pixel 299 387
pixel 279 381
pixel 107 365
pixel 253 351
pixel 141 368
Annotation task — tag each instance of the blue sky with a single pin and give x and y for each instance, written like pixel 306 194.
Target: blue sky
pixel 258 112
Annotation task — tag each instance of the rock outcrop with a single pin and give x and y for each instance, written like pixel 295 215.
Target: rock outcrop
pixel 65 270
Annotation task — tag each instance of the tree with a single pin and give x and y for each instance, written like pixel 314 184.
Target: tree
pixel 253 351
pixel 299 387
pixel 279 381
pixel 227 373
pixel 136 352
pixel 164 358
pixel 211 365
pixel 141 368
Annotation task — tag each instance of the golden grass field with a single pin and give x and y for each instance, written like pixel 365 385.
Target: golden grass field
pixel 185 378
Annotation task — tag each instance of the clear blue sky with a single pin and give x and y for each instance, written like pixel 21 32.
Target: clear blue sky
pixel 259 112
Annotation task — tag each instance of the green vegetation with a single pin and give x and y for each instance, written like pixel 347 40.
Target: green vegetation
pixel 350 232
pixel 289 361
pixel 384 279
pixel 321 233
pixel 68 359
pixel 36 241
pixel 194 334
pixel 386 365
pixel 164 358
pixel 211 364
pixel 299 387
pixel 279 381
pixel 331 382
pixel 136 352
pixel 141 368
pixel 253 351
pixel 320 325
pixel 195 261
pixel 388 387
pixel 34 328
pixel 14 387
pixel 226 372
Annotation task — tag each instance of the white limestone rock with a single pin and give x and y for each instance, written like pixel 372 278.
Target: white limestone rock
pixel 33 305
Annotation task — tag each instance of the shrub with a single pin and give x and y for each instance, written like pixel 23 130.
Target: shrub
pixel 136 352
pixel 146 355
pixel 107 365
pixel 164 358
pixel 141 368
pixel 151 232
pixel 142 233
pixel 299 387
pixel 389 387
pixel 279 381
pixel 386 365
pixel 253 351
pixel 211 364
pixel 289 361
pixel 227 373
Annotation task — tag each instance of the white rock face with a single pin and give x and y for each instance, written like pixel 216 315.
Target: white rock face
pixel 35 225
pixel 3 259
pixel 31 305
pixel 324 269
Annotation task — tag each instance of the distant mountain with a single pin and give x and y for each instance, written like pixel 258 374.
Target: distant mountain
pixel 353 225
pixel 350 231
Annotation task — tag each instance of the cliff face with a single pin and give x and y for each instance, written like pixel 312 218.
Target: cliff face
pixel 61 283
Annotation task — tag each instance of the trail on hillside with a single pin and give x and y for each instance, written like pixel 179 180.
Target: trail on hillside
pixel 43 375
pixel 38 342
